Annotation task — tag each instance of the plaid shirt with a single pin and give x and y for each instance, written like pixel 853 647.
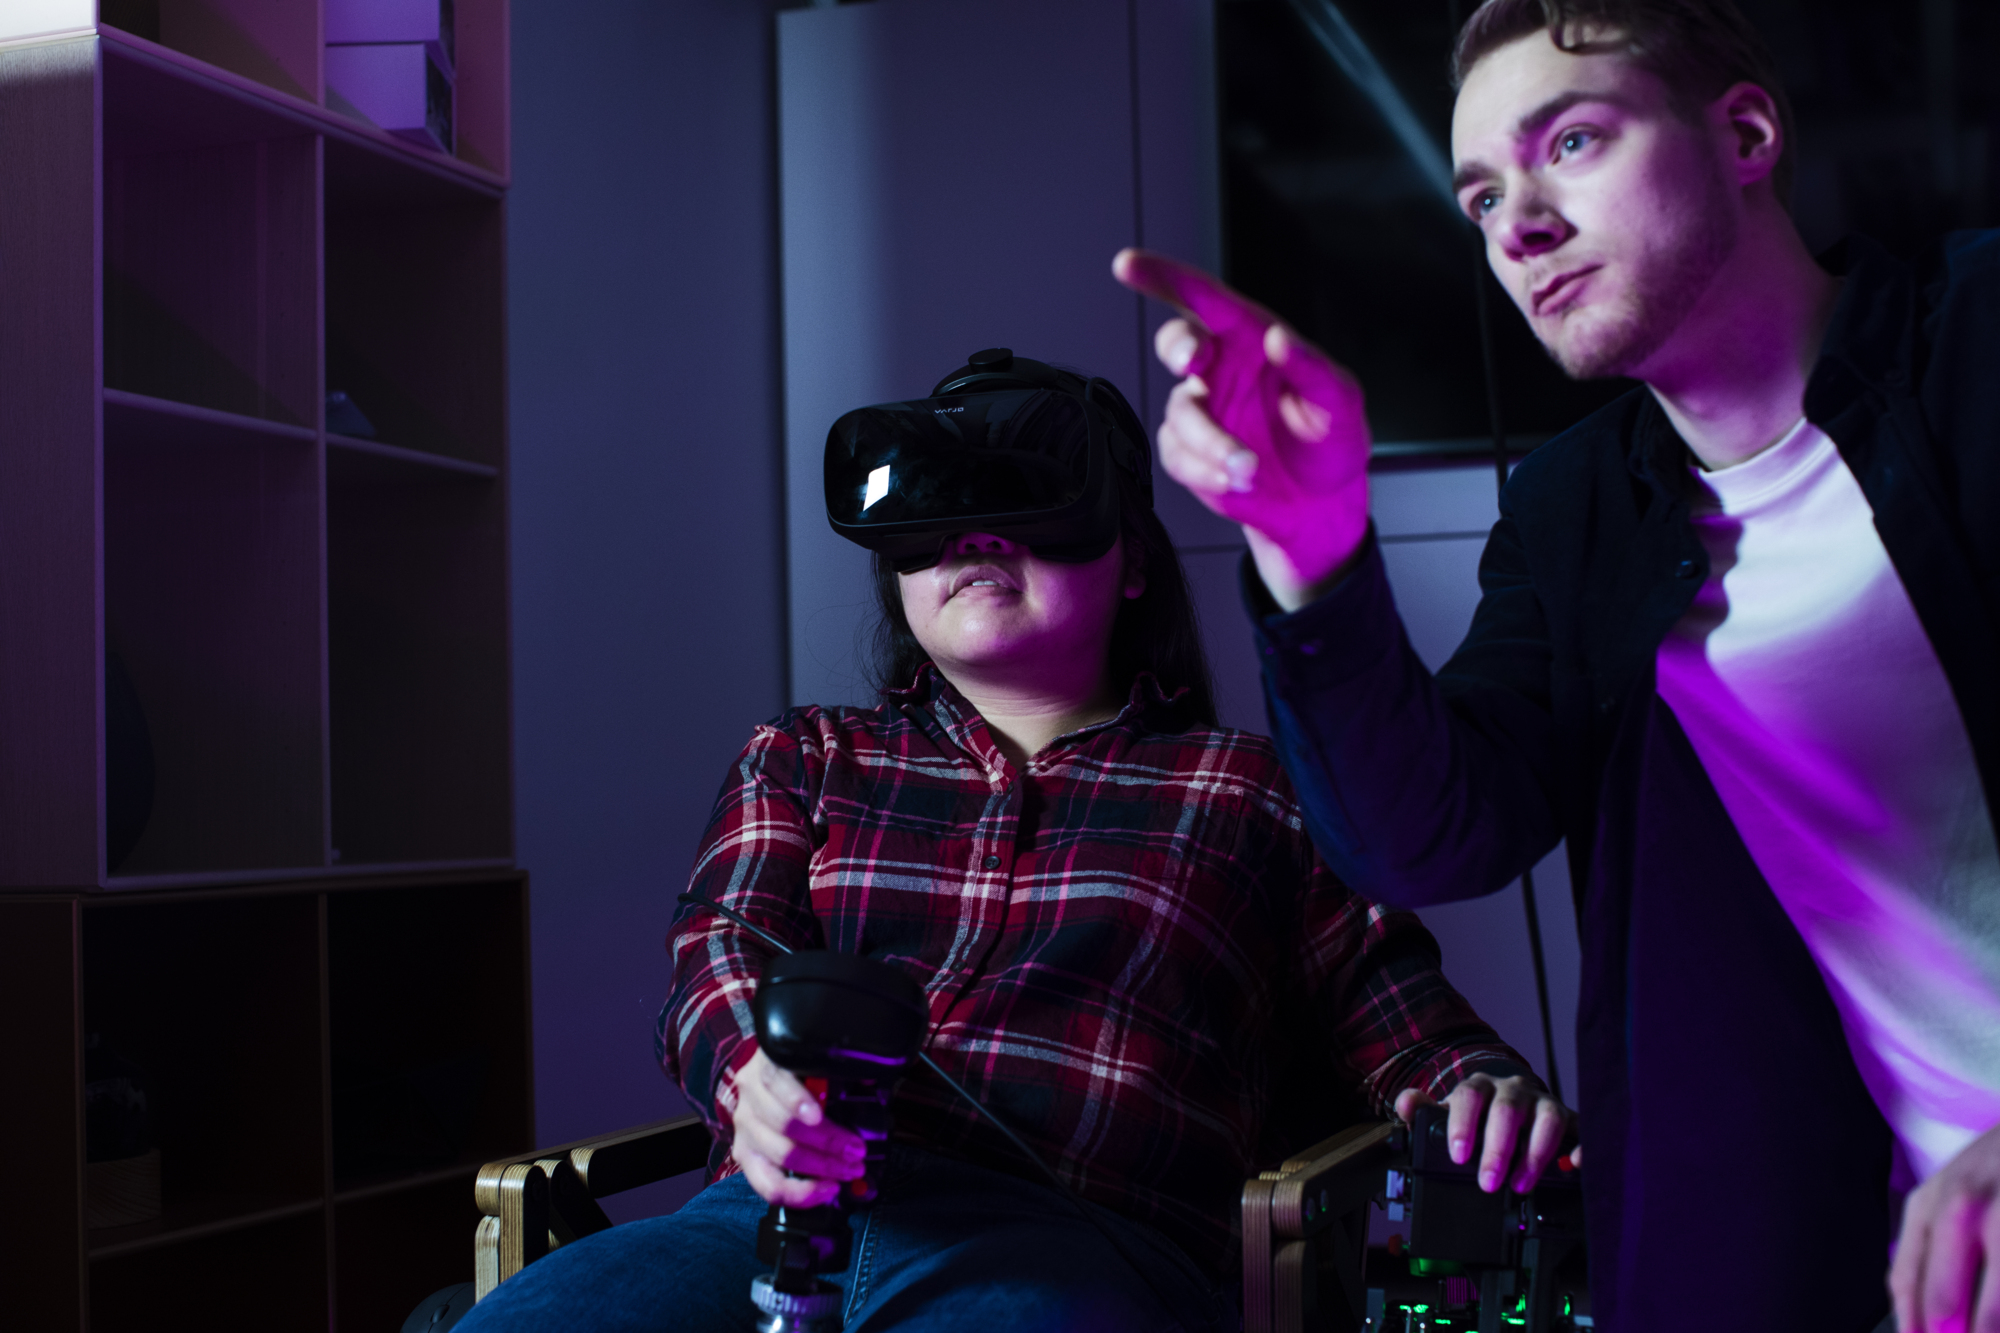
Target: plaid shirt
pixel 1118 945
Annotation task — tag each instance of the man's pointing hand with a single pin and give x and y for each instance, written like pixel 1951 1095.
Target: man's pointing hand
pixel 1263 428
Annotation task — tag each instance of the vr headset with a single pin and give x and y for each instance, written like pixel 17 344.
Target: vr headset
pixel 1003 445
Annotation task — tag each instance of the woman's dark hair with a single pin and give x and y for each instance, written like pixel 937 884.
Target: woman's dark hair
pixel 1157 631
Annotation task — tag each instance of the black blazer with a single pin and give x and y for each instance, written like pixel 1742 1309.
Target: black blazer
pixel 1736 1169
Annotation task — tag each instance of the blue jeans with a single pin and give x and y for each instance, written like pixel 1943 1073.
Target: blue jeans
pixel 947 1245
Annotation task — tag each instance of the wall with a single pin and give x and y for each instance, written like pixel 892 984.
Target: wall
pixel 648 631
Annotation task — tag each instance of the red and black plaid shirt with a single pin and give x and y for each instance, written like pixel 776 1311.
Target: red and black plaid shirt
pixel 1119 945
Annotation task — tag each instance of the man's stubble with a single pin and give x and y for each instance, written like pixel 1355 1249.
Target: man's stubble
pixel 1668 281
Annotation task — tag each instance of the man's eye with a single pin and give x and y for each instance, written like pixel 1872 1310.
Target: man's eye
pixel 1575 140
pixel 1483 204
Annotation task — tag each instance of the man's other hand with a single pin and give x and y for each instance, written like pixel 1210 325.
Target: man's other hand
pixel 1510 1105
pixel 781 1127
pixel 1263 428
pixel 1944 1278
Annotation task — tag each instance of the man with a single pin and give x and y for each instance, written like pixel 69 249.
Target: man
pixel 1738 643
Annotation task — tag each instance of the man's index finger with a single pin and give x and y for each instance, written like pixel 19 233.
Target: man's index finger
pixel 1190 290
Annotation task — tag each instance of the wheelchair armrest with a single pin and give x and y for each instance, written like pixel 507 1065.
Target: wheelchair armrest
pixel 1317 1199
pixel 545 1199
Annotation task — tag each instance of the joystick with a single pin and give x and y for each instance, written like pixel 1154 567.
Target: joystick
pixel 846 1027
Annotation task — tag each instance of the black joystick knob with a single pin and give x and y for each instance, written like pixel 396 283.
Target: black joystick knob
pixel 993 358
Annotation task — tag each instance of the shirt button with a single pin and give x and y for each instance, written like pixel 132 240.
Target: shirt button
pixel 1310 647
pixel 1686 569
pixel 992 863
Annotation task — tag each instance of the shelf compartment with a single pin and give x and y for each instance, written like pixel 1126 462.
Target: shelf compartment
pixel 275 44
pixel 271 1276
pixel 217 1004
pixel 430 1070
pixel 417 639
pixel 210 291
pixel 212 576
pixel 395 1248
pixel 415 306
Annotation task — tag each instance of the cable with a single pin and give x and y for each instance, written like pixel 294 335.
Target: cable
pixel 1062 1186
pixel 1485 316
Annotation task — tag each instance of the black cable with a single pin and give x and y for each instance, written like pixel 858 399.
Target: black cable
pixel 1062 1186
pixel 1485 316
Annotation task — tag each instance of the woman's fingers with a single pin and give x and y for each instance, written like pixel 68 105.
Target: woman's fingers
pixel 778 1120
pixel 1463 1108
pixel 786 1150
pixel 774 1186
pixel 1544 1142
pixel 1504 1120
pixel 1407 1102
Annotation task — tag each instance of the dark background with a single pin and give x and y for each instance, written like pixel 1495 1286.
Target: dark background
pixel 1327 220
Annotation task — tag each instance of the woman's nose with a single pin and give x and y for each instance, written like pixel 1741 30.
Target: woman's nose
pixel 981 543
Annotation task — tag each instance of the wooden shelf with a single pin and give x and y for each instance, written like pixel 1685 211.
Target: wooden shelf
pixel 179 1227
pixel 158 99
pixel 249 1014
pixel 269 1275
pixel 139 419
pixel 283 874
pixel 366 461
pixel 255 764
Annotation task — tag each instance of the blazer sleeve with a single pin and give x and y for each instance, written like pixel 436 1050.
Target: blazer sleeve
pixel 1416 789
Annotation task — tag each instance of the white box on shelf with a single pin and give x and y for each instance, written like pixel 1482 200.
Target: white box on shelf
pixel 398 85
pixel 373 22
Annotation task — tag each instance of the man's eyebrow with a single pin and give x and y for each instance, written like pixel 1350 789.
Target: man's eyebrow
pixel 1535 121
pixel 1467 174
pixel 1532 124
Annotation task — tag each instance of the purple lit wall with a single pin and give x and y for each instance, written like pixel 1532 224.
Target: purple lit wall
pixel 648 602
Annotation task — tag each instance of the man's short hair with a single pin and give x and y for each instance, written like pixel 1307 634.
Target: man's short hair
pixel 1697 48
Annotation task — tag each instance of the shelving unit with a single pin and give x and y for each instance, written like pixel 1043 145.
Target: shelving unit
pixel 254 696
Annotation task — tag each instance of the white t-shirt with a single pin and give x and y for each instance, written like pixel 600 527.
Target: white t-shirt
pixel 1816 703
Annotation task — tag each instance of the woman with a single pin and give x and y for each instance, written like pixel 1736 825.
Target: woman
pixel 1128 948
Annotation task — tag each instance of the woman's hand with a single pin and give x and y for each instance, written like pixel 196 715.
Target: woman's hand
pixel 1263 428
pixel 1510 1104
pixel 781 1127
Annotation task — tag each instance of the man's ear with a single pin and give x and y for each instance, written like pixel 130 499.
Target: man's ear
pixel 1756 134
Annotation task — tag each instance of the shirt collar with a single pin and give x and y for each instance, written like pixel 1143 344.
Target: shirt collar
pixel 1148 706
